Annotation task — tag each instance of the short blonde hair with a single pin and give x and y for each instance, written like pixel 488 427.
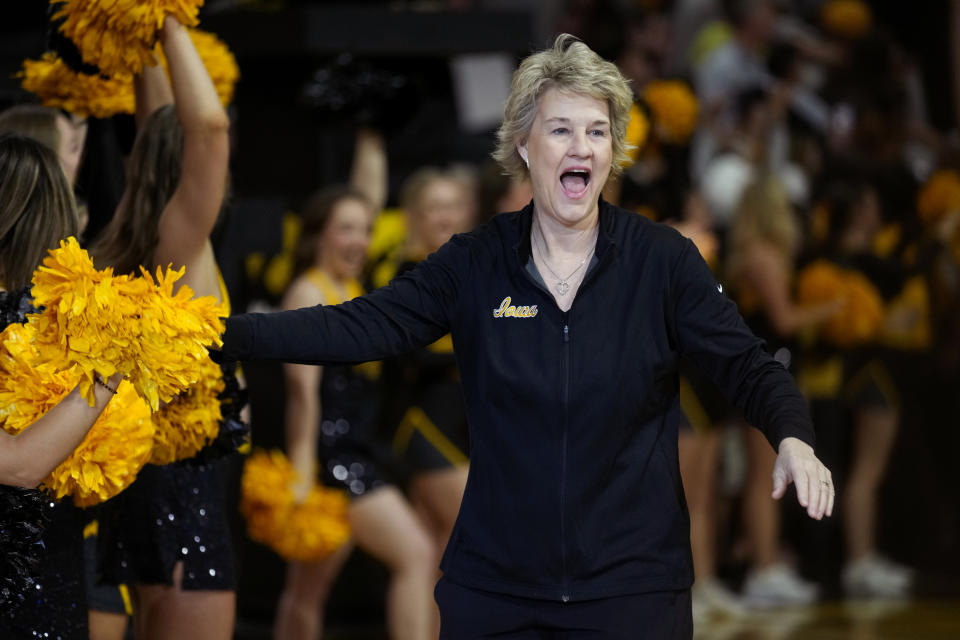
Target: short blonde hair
pixel 570 66
pixel 764 214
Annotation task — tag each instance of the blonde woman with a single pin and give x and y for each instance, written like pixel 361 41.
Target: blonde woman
pixel 764 240
pixel 430 423
pixel 567 320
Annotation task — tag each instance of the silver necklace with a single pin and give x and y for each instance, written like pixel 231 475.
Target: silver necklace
pixel 562 285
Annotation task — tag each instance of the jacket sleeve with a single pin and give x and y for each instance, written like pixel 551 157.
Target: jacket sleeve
pixel 414 310
pixel 709 330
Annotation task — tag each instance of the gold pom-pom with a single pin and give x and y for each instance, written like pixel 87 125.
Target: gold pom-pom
pixel 862 320
pixel 638 129
pixel 60 87
pixel 113 451
pixel 909 313
pixel 118 36
pixel 27 389
pixel 675 109
pixel 109 458
pixel 850 19
pixel 887 240
pixel 308 531
pixel 863 315
pixel 939 196
pixel 191 420
pixel 104 323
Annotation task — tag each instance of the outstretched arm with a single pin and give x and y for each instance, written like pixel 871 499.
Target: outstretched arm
pixel 29 457
pixel 414 310
pixel 708 329
pixel 189 217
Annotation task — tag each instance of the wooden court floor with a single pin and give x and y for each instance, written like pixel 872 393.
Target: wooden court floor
pixel 915 620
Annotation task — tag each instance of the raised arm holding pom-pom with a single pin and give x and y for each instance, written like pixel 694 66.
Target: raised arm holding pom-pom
pixel 175 190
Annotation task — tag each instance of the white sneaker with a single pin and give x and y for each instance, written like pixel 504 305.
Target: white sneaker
pixel 874 576
pixel 778 586
pixel 711 597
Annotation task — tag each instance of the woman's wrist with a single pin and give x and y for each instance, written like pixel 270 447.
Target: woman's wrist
pixel 100 382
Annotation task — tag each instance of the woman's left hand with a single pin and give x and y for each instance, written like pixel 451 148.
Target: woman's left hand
pixel 797 463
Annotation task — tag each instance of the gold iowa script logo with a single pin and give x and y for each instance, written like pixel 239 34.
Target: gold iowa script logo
pixel 507 310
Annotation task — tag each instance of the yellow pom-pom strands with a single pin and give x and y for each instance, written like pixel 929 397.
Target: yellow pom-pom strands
pixel 308 531
pixel 675 109
pixel 118 36
pixel 110 457
pixel 863 316
pixel 115 448
pixel 60 87
pixel 850 19
pixel 27 389
pixel 191 420
pixel 939 197
pixel 104 323
pixel 638 130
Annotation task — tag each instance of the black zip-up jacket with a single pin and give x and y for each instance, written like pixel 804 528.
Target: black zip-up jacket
pixel 574 490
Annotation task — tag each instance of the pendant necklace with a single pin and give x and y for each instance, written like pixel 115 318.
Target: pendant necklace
pixel 562 285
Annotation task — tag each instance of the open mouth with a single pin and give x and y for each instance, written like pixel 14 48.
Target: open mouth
pixel 574 182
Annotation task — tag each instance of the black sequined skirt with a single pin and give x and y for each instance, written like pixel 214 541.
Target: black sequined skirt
pixel 353 457
pixel 174 513
pixel 42 593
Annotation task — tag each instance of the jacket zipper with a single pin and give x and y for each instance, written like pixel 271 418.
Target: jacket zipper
pixel 565 595
pixel 591 275
pixel 565 335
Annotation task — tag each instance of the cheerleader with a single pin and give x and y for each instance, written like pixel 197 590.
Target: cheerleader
pixel 429 423
pixel 764 241
pixel 869 396
pixel 331 421
pixel 167 534
pixel 41 575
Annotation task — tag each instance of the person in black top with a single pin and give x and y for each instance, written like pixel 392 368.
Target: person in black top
pixel 167 534
pixel 870 393
pixel 567 319
pixel 424 411
pixel 41 571
pixel 331 428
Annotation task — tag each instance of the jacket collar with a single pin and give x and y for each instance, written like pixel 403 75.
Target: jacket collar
pixel 523 220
